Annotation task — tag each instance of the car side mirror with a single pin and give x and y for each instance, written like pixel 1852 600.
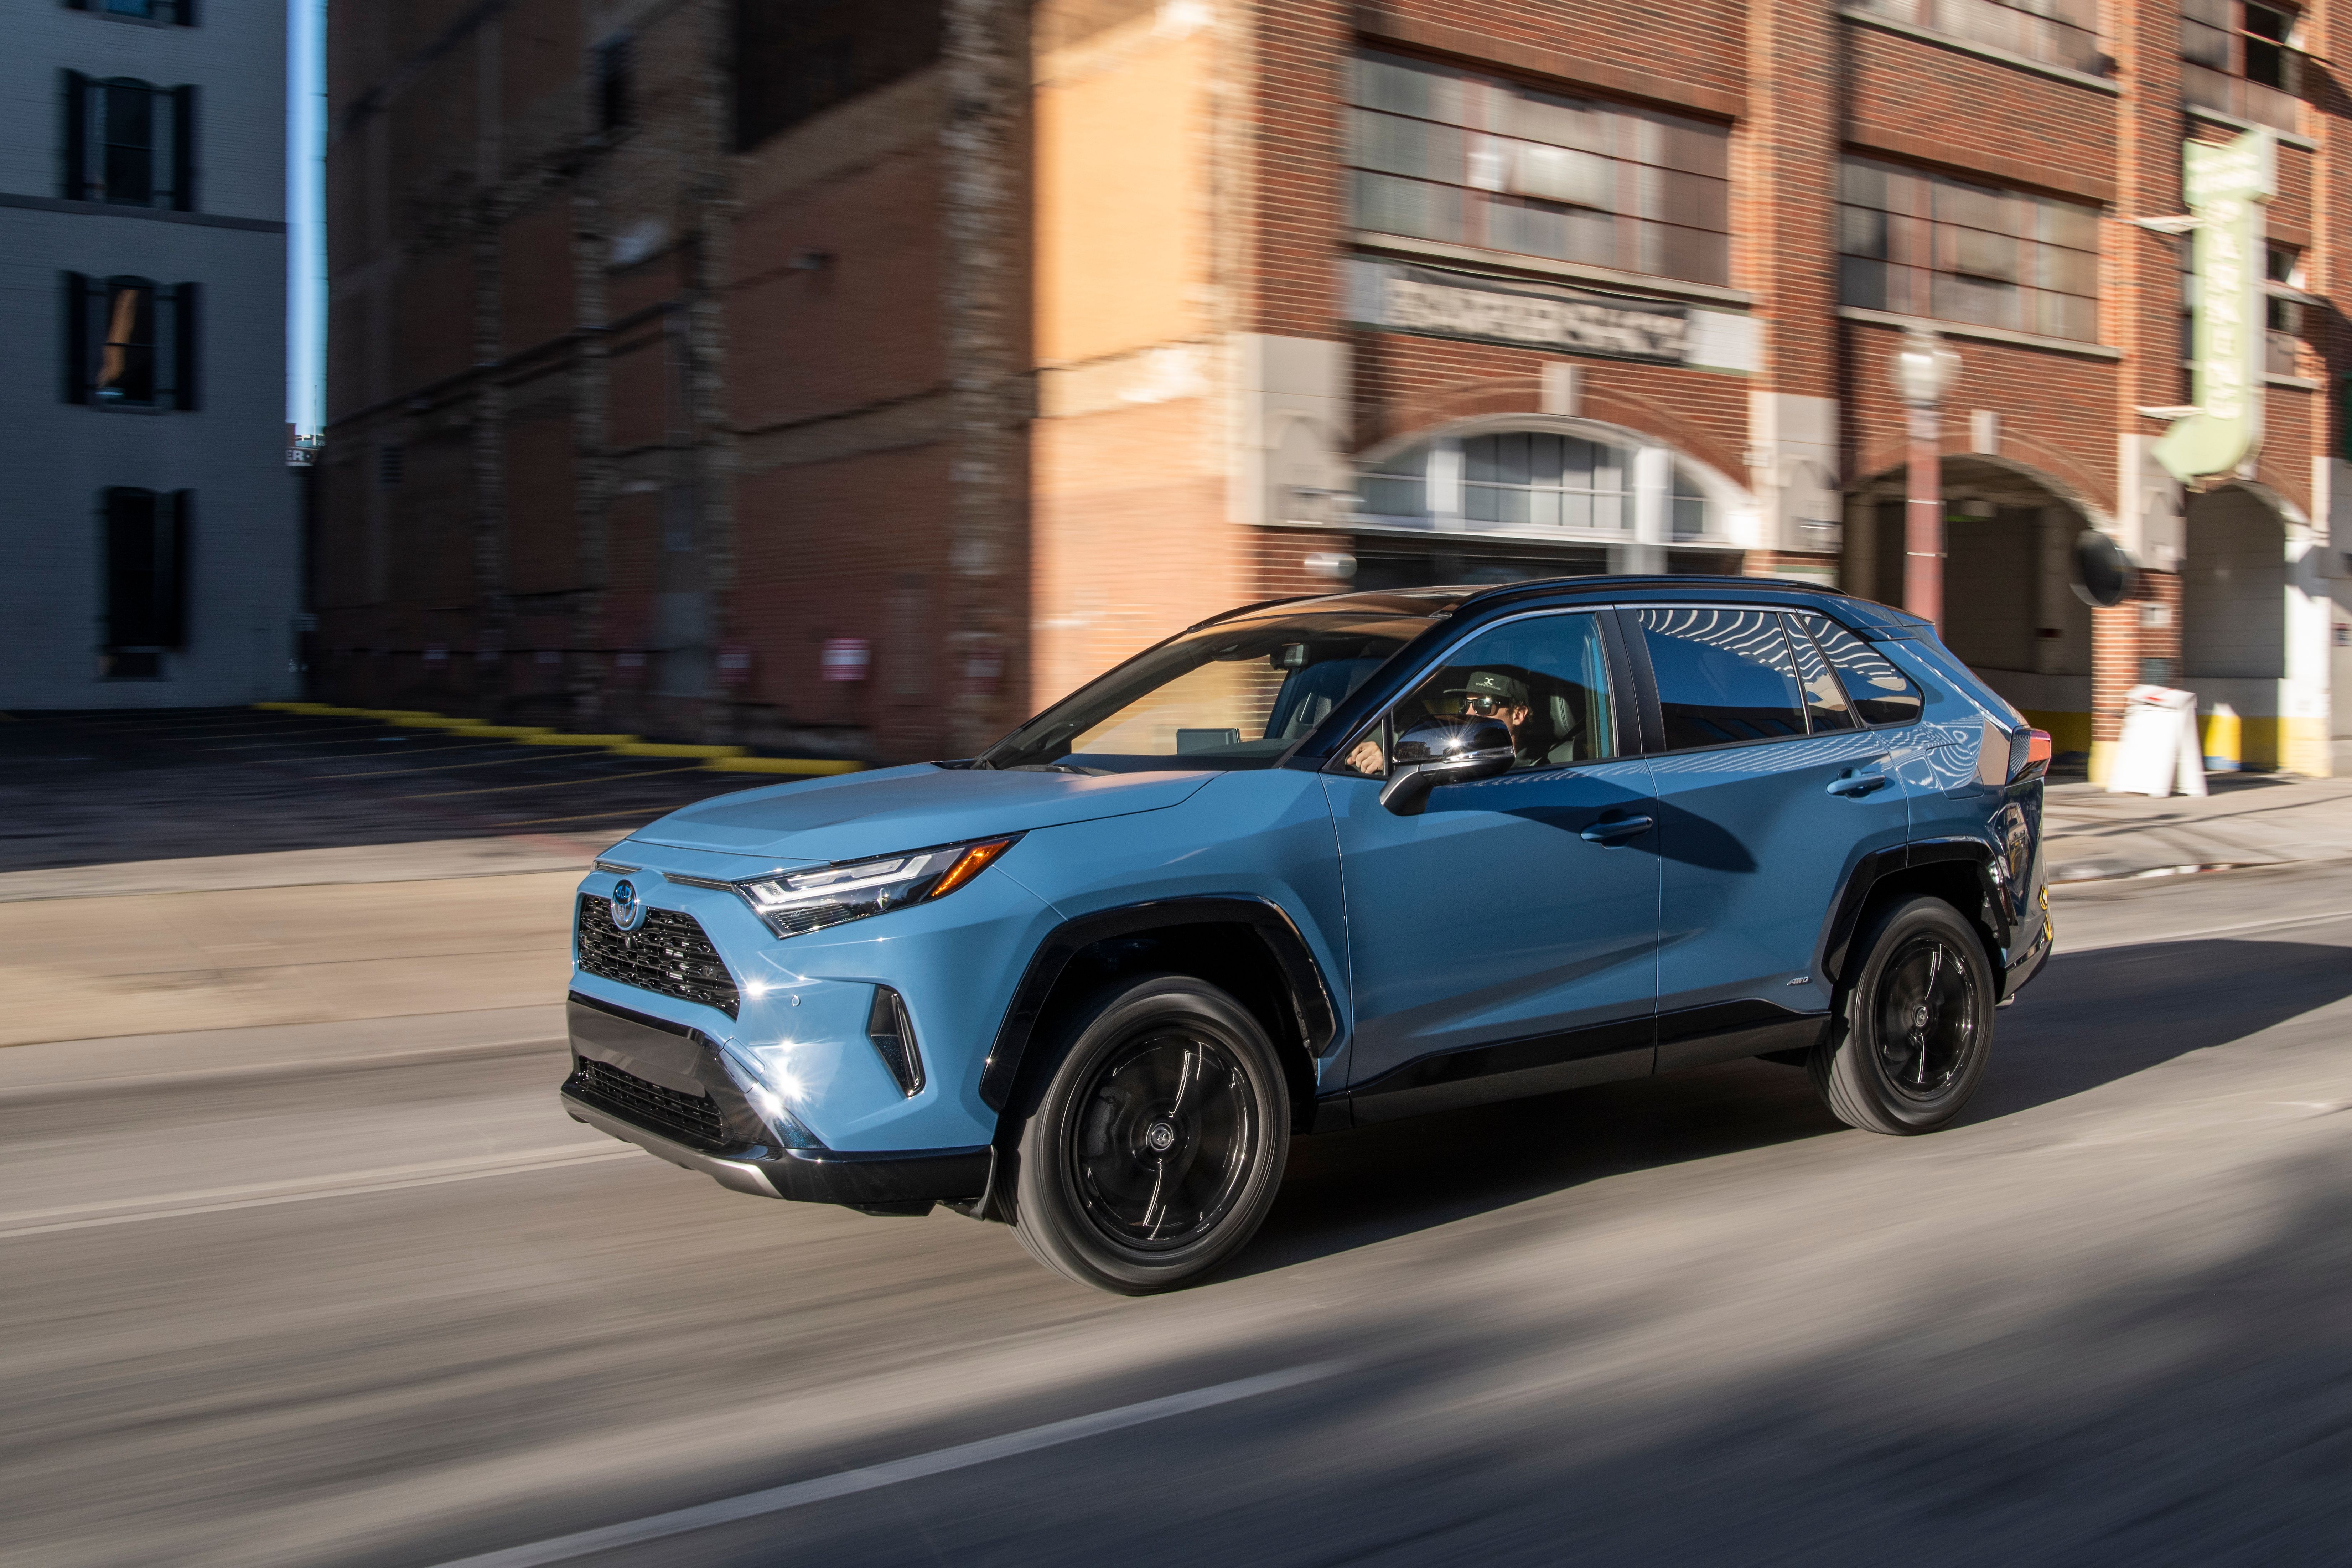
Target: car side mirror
pixel 1445 748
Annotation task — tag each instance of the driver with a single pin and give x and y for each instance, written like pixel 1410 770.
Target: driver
pixel 1486 694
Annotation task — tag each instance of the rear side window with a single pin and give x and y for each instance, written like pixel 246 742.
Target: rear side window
pixel 1724 676
pixel 1882 694
pixel 1825 704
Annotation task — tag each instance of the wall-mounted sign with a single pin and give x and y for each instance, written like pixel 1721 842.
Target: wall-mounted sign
pixel 2227 184
pixel 1431 301
pixel 846 658
pixel 734 665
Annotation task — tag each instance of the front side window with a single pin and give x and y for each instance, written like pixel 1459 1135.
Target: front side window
pixel 1925 245
pixel 1724 676
pixel 1235 694
pixel 1444 155
pixel 1547 676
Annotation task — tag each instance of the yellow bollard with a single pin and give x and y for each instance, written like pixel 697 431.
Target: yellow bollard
pixel 2224 740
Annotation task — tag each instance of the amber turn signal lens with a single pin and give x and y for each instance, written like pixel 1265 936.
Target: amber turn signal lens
pixel 978 857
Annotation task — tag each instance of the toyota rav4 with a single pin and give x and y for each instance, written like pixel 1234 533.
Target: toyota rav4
pixel 1321 863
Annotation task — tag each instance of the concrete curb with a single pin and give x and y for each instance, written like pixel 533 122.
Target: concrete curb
pixel 714 758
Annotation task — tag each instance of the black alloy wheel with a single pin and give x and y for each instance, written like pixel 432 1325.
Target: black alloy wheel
pixel 1162 1138
pixel 1926 1016
pixel 1156 1149
pixel 1913 1029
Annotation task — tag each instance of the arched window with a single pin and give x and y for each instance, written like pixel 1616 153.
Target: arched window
pixel 1574 478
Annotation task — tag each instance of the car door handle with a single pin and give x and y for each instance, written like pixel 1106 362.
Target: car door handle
pixel 1616 830
pixel 1859 784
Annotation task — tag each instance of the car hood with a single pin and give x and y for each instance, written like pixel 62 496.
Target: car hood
pixel 858 815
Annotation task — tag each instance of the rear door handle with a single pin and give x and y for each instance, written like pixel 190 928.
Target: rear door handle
pixel 1859 784
pixel 1616 830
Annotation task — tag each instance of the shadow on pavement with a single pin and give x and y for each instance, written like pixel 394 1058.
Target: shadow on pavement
pixel 2089 1019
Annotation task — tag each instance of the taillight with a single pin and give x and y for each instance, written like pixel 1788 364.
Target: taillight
pixel 2029 754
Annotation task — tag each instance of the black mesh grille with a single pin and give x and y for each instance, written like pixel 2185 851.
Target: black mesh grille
pixel 668 953
pixel 649 1104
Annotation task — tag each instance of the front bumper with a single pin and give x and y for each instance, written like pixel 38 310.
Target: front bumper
pixel 625 1062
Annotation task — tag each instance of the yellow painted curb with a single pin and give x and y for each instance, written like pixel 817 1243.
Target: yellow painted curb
pixel 664 749
pixel 497 731
pixel 804 765
pixel 546 738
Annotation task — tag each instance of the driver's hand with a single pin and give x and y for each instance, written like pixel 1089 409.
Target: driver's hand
pixel 1366 758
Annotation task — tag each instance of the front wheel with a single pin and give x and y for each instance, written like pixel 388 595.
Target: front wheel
pixel 1156 1149
pixel 1916 1028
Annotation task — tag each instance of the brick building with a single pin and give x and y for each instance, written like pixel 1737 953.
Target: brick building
pixel 856 374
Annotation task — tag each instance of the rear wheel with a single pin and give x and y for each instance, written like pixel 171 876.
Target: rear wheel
pixel 1916 1025
pixel 1156 1149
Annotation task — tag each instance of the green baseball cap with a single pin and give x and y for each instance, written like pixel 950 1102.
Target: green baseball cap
pixel 1510 693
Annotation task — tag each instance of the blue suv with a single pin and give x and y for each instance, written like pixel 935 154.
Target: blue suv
pixel 1319 863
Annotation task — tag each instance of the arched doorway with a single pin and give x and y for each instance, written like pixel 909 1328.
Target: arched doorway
pixel 2255 625
pixel 2011 611
pixel 1519 496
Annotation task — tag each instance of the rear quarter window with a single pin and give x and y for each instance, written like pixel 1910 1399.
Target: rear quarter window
pixel 1881 693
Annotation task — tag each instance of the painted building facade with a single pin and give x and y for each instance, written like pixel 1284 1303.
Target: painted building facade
pixel 149 532
pixel 860 377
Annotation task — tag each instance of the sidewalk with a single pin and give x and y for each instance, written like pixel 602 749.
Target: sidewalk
pixel 2250 819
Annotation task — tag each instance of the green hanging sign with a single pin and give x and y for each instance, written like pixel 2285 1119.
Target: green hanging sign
pixel 2227 184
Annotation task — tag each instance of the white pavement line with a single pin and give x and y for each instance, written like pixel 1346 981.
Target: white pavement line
pixel 775 1500
pixel 2066 947
pixel 262 1194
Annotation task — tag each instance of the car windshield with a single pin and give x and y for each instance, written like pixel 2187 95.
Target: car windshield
pixel 1236 694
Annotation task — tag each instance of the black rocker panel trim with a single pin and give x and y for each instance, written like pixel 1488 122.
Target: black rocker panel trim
pixel 1728 1031
pixel 1310 998
pixel 1509 1069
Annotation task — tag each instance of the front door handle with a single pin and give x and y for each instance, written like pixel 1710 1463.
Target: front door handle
pixel 1616 830
pixel 1856 785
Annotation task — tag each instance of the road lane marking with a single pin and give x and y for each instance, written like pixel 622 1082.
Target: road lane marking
pixel 265 1195
pixel 823 1489
pixel 2066 947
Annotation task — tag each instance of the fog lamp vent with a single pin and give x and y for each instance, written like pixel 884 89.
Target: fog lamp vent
pixel 893 1033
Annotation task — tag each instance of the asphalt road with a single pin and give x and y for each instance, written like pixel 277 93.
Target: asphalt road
pixel 346 1302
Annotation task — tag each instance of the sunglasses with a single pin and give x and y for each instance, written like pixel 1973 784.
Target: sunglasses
pixel 1484 706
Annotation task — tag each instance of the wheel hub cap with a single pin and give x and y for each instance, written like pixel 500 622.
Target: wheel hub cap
pixel 1159 1138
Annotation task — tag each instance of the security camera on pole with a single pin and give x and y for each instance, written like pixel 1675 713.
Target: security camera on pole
pixel 1923 371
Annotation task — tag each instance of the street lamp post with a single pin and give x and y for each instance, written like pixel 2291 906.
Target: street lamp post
pixel 1923 370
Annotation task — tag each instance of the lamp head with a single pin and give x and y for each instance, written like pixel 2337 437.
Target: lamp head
pixel 1923 370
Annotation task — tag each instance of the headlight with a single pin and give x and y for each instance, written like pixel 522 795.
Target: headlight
pixel 811 900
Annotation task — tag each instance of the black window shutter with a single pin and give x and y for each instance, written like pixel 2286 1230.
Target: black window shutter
pixel 175 519
pixel 184 148
pixel 185 302
pixel 128 515
pixel 73 169
pixel 74 346
pixel 184 13
pixel 76 5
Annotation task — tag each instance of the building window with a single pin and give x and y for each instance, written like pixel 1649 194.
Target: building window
pixel 615 84
pixel 128 143
pixel 178 13
pixel 2056 32
pixel 146 535
pixel 2283 342
pixel 1925 245
pixel 130 342
pixel 2238 56
pixel 1587 487
pixel 1442 154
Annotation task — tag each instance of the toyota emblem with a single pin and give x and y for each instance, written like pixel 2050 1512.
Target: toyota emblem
pixel 628 909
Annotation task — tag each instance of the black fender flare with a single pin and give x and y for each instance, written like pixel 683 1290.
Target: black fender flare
pixel 1315 1014
pixel 1880 864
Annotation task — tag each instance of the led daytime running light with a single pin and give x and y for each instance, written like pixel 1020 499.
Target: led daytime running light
pixel 800 902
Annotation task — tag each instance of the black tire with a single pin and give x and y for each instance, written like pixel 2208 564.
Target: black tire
pixel 1156 1148
pixel 1914 1030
